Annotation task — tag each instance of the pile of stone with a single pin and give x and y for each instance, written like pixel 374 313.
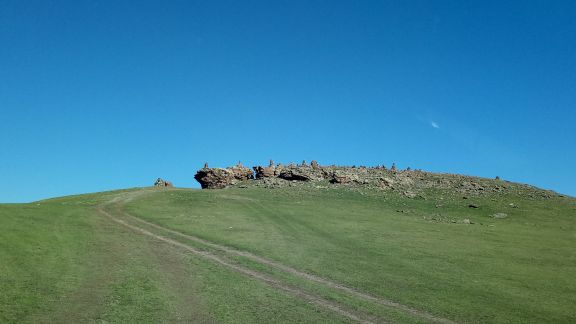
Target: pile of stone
pixel 162 183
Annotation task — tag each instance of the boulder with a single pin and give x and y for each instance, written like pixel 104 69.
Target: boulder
pixel 214 178
pixel 217 178
pixel 409 194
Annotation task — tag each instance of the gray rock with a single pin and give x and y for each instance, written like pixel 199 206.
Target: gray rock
pixel 409 194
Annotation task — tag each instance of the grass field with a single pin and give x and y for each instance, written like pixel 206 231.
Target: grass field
pixel 254 255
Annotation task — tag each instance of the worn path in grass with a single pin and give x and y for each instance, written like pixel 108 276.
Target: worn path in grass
pixel 118 215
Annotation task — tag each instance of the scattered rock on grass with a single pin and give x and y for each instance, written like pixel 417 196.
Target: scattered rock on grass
pixel 409 194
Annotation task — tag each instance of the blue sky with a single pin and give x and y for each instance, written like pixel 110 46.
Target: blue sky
pixel 98 95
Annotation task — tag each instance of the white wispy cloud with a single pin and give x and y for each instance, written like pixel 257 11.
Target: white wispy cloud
pixel 434 124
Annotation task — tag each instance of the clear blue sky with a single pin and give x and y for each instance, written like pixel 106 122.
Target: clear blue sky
pixel 98 95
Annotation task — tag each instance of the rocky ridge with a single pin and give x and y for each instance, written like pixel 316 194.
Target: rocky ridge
pixel 410 183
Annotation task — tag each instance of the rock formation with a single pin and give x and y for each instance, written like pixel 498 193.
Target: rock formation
pixel 241 173
pixel 410 183
pixel 218 178
pixel 267 172
pixel 300 173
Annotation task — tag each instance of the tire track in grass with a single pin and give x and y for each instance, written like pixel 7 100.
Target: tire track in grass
pixel 300 294
pixel 282 267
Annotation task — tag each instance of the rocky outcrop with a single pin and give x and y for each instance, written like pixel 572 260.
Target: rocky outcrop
pixel 214 178
pixel 267 172
pixel 241 173
pixel 218 178
pixel 301 173
pixel 410 183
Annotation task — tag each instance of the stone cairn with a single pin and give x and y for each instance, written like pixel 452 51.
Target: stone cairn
pixel 162 183
pixel 314 164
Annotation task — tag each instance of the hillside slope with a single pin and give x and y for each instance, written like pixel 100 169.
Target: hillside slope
pixel 306 253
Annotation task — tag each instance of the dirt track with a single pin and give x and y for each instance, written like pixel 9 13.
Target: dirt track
pixel 119 216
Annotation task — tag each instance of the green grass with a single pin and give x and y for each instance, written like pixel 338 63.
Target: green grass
pixel 62 261
pixel 518 269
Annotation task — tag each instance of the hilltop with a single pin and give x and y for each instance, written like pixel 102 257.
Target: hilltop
pixel 300 243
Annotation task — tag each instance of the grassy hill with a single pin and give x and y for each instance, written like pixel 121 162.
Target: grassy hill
pixel 297 254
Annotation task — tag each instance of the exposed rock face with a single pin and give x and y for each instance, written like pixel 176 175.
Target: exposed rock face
pixel 217 178
pixel 241 173
pixel 294 174
pixel 301 173
pixel 270 171
pixel 267 172
pixel 162 183
pixel 214 178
